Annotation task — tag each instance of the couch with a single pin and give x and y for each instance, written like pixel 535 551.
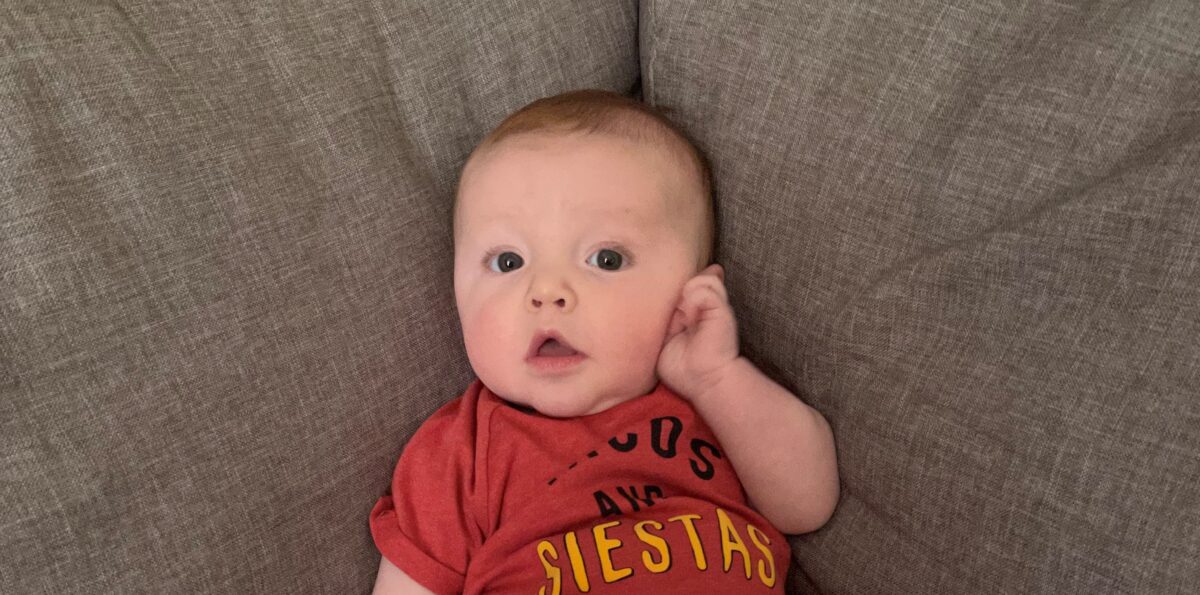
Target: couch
pixel 967 233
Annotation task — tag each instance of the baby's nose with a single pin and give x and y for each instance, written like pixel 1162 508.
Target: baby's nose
pixel 559 296
pixel 560 302
pixel 550 291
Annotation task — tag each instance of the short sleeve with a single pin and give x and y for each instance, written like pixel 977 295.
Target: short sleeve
pixel 427 526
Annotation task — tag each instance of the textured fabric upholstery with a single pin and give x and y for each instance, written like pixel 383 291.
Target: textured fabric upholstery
pixel 225 248
pixel 970 236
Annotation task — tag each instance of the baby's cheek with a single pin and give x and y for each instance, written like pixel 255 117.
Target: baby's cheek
pixel 492 329
pixel 644 337
pixel 483 338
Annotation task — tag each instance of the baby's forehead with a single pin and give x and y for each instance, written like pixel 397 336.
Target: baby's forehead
pixel 513 156
pixel 664 148
pixel 671 177
pixel 642 214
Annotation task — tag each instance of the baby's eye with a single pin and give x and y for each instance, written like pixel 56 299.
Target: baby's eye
pixel 506 261
pixel 609 260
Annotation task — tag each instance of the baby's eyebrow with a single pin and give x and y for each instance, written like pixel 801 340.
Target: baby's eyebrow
pixel 627 239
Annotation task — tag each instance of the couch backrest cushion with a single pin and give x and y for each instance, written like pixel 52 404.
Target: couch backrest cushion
pixel 226 290
pixel 970 235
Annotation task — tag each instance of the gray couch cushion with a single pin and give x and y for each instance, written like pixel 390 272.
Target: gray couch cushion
pixel 225 270
pixel 970 235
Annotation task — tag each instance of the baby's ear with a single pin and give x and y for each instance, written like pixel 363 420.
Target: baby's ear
pixel 678 323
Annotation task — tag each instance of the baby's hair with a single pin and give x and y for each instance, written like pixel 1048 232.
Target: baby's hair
pixel 595 111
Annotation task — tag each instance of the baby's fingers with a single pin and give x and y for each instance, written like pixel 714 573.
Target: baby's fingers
pixel 678 322
pixel 703 302
pixel 706 282
pixel 701 293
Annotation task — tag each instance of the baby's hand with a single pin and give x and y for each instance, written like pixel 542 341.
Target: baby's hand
pixel 702 339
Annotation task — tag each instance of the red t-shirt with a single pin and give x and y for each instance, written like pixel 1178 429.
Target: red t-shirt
pixel 638 498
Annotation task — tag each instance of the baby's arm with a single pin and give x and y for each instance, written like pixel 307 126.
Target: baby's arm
pixel 393 581
pixel 781 448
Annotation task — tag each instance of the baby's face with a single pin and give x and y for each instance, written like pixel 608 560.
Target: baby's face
pixel 590 236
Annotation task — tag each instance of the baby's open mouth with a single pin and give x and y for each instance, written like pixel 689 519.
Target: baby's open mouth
pixel 553 348
pixel 550 344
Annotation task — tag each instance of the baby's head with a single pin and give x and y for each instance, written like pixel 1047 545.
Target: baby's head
pixel 582 214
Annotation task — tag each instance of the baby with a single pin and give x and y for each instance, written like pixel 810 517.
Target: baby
pixel 596 451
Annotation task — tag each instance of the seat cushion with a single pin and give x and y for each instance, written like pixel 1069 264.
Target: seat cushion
pixel 226 270
pixel 969 236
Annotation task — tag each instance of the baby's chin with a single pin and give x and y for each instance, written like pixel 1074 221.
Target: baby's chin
pixel 565 409
pixel 558 403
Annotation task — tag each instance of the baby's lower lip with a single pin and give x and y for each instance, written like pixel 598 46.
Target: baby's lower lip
pixel 555 364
